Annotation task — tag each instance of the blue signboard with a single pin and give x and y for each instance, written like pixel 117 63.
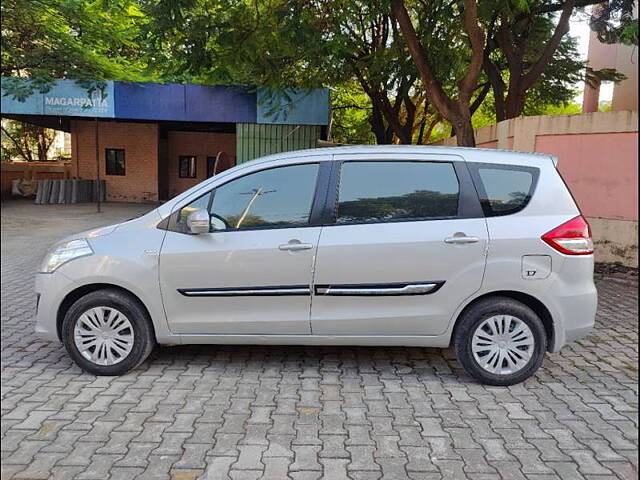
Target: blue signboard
pixel 150 101
pixel 67 98
pixel 293 107
pixel 220 104
pixel 64 98
pixel 184 103
pixel 172 102
pixel 32 105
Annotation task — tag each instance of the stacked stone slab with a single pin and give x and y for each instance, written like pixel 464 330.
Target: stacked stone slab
pixel 53 191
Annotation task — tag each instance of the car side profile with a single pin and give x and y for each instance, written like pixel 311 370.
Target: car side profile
pixel 484 250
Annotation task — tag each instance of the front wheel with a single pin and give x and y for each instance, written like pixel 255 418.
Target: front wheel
pixel 500 341
pixel 108 332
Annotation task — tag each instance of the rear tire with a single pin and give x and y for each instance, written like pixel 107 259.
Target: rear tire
pixel 108 332
pixel 500 341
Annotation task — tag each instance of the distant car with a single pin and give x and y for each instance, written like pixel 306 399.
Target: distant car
pixel 410 246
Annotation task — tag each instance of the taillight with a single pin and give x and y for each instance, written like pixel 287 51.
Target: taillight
pixel 572 237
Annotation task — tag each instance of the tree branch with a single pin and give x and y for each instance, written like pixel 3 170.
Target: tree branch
pixel 26 156
pixel 480 98
pixel 556 7
pixel 432 125
pixel 476 39
pixel 552 45
pixel 435 93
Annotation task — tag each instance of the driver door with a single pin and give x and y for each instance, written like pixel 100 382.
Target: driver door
pixel 251 274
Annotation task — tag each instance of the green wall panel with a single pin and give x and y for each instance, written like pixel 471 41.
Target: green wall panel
pixel 256 140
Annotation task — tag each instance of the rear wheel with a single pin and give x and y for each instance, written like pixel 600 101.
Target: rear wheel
pixel 500 341
pixel 107 332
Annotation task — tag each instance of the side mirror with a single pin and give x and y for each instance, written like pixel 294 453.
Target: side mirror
pixel 198 221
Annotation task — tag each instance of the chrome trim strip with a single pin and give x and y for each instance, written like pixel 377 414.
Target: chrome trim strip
pixel 379 289
pixel 238 292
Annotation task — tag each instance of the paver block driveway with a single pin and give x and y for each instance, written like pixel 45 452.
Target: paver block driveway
pixel 303 412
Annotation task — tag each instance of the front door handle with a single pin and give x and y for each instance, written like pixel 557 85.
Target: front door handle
pixel 295 246
pixel 461 239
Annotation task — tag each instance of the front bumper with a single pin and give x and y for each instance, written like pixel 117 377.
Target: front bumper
pixel 51 289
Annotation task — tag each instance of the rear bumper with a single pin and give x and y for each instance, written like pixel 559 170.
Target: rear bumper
pixel 578 319
pixel 575 301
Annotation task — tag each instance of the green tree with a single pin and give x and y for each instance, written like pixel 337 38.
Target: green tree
pixel 454 105
pixel 530 60
pixel 295 43
pixel 26 141
pixel 614 22
pixel 350 115
pixel 358 45
pixel 80 39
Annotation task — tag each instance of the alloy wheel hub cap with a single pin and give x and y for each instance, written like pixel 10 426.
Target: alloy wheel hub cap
pixel 103 335
pixel 502 344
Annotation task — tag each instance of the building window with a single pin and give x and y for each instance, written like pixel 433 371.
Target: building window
pixel 115 161
pixel 187 166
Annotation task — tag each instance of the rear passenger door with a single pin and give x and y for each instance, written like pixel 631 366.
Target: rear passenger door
pixel 406 246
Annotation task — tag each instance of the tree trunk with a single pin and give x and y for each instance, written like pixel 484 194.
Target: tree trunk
pixel 514 104
pixel 455 111
pixel 378 127
pixel 42 144
pixel 465 136
pixel 423 124
pixel 501 109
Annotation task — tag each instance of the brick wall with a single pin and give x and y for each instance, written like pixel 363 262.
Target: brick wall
pixel 140 143
pixel 30 171
pixel 200 144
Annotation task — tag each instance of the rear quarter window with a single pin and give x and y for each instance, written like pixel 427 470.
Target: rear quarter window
pixel 504 189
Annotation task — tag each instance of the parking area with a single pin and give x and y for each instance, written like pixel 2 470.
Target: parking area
pixel 303 412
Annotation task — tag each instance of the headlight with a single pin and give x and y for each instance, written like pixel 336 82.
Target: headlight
pixel 64 252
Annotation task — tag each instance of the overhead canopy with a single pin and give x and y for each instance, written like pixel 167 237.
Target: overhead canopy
pixel 169 102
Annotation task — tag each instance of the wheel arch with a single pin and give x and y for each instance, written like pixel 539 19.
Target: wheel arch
pixel 529 300
pixel 83 290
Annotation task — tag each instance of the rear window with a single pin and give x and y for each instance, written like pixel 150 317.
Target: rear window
pixel 504 189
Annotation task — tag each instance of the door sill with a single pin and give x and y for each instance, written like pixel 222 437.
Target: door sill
pixel 441 341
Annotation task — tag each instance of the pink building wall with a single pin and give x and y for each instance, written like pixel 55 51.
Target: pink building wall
pixel 600 168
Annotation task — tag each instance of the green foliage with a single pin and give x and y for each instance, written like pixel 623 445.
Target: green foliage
pixel 595 77
pixel 232 42
pixel 614 22
pixel 564 109
pixel 79 39
pixel 350 113
pixel 25 141
pixel 352 46
pixel 605 106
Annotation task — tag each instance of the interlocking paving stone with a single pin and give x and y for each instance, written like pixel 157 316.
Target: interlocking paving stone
pixel 245 412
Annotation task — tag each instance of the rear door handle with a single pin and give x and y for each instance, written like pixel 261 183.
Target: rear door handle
pixel 461 239
pixel 295 246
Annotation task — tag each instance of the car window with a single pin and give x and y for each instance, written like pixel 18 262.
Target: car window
pixel 278 197
pixel 508 188
pixel 390 191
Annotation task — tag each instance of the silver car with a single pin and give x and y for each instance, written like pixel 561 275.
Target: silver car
pixel 484 250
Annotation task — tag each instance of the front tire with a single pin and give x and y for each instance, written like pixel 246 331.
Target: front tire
pixel 500 341
pixel 108 332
